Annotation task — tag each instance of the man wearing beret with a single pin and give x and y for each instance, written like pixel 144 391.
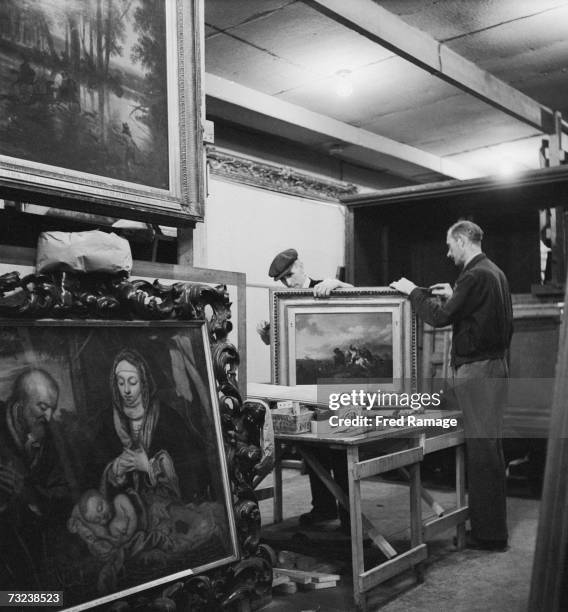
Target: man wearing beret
pixel 287 268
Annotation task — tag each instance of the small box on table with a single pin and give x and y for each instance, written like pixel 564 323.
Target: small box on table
pixel 285 421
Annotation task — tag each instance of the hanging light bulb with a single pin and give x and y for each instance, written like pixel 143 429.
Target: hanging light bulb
pixel 507 169
pixel 343 85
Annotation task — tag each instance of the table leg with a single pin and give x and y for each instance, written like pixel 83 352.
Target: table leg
pixel 427 497
pixel 356 520
pixel 460 492
pixel 277 503
pixel 416 496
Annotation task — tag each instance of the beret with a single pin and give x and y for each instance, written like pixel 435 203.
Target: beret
pixel 282 263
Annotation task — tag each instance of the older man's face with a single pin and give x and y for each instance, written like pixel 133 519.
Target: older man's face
pixel 39 404
pixel 296 277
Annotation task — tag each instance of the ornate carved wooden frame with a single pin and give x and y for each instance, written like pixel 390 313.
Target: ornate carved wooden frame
pixel 251 170
pixel 92 296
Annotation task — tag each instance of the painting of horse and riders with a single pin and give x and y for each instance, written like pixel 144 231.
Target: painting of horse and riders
pixel 83 87
pixel 343 345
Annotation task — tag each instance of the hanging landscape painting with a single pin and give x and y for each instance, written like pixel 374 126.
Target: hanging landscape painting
pixel 90 95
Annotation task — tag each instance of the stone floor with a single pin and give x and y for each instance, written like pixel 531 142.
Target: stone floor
pixel 456 581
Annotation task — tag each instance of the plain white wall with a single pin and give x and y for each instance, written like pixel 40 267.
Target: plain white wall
pixel 245 227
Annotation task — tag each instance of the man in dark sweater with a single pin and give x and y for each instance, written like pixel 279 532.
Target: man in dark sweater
pixel 480 311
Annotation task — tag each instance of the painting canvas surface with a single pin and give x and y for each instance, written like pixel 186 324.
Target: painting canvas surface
pixel 332 345
pixel 111 438
pixel 83 86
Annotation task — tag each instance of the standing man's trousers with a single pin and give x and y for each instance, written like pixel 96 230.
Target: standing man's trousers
pixel 481 391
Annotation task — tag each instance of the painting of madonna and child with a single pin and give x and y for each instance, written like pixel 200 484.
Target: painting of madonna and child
pixel 112 468
pixel 342 346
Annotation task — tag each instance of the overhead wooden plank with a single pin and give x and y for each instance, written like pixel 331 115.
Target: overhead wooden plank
pixel 338 131
pixel 381 26
pixel 489 184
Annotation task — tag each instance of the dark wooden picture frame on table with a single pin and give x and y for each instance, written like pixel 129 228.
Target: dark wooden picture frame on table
pixel 109 94
pixel 364 334
pixel 113 530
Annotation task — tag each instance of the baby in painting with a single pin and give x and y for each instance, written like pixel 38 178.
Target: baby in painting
pixel 103 526
pixel 169 526
pixel 126 529
pixel 110 532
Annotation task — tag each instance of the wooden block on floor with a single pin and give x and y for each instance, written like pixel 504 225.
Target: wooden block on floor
pixel 306 577
pixel 294 575
pixel 312 586
pixel 326 578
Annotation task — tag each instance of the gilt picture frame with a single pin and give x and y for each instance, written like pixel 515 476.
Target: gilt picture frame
pixel 355 336
pixel 128 457
pixel 101 105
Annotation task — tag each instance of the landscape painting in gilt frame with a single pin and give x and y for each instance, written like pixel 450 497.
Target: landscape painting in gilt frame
pixel 116 427
pixel 101 100
pixel 364 336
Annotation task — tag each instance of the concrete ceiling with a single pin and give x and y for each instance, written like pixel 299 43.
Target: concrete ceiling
pixel 273 65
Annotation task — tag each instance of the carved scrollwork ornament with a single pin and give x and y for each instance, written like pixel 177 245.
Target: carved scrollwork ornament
pixel 249 170
pixel 103 296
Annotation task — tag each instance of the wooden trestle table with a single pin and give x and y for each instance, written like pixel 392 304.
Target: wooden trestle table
pixel 415 443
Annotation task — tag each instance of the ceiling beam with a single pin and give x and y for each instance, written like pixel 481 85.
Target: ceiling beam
pixel 389 154
pixel 383 27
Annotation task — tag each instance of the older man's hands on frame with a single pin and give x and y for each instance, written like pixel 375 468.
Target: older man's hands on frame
pixel 327 285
